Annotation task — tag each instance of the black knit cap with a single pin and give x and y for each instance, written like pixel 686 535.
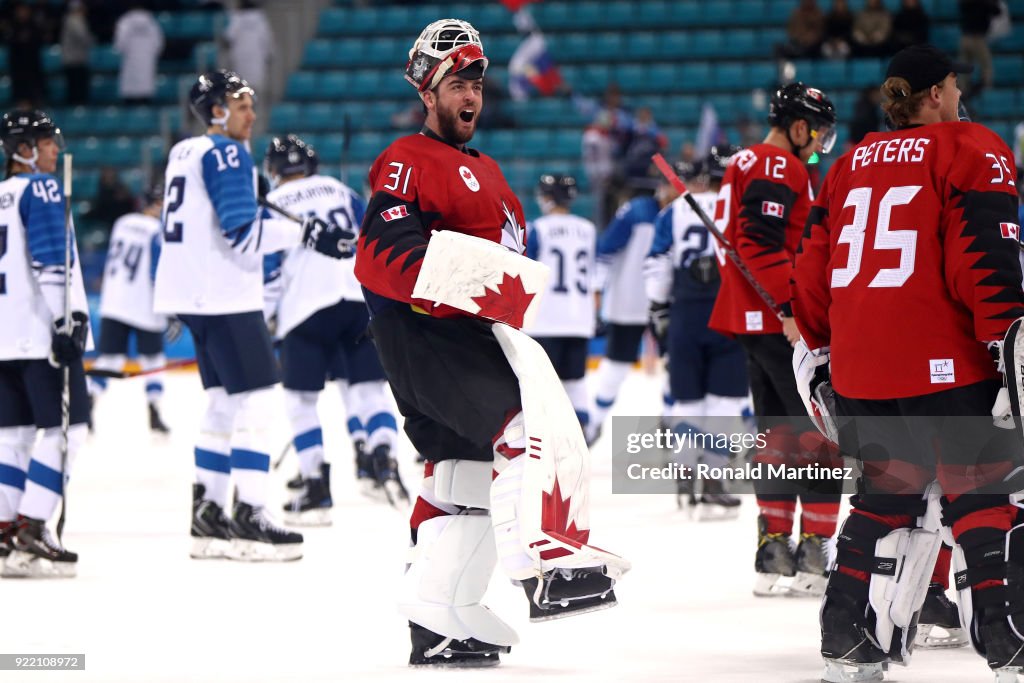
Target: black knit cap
pixel 923 66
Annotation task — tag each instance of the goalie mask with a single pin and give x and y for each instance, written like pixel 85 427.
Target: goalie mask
pixel 445 46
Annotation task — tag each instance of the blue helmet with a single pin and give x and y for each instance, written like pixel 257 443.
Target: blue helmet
pixel 290 155
pixel 213 89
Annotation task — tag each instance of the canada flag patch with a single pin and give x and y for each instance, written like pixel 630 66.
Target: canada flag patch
pixel 1010 231
pixel 773 209
pixel 394 213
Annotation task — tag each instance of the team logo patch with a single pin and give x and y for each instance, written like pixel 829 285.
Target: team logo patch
pixel 773 209
pixel 394 213
pixel 467 177
pixel 1010 231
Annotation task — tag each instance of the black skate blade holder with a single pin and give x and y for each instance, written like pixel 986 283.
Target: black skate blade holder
pixel 561 593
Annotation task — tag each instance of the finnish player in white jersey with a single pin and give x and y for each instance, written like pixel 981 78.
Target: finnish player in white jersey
pixel 564 323
pixel 321 318
pixel 126 304
pixel 708 385
pixel 35 345
pixel 210 275
pixel 621 250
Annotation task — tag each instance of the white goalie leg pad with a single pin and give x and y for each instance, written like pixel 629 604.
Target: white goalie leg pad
pixel 453 560
pixel 463 482
pixel 965 600
pixel 907 558
pixel 540 498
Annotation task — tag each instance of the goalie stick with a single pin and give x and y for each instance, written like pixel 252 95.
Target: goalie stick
pixel 680 186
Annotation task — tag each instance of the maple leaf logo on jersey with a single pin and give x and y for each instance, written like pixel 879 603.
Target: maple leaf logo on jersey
pixel 507 304
pixel 512 234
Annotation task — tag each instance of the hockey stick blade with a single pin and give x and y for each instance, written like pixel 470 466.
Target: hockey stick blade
pixel 733 255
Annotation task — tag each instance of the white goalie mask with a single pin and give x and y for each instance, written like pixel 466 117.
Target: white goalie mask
pixel 445 46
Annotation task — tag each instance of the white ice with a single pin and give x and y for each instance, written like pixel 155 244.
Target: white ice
pixel 141 610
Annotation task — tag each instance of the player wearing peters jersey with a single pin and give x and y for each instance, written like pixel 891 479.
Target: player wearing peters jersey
pixel 621 250
pixel 126 303
pixel 565 319
pixel 322 318
pixel 458 377
pixel 210 275
pixel 906 283
pixel 762 208
pixel 34 345
pixel 707 371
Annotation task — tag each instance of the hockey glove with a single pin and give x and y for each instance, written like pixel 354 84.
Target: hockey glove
pixel 327 239
pixel 67 346
pixel 814 382
pixel 174 330
pixel 657 318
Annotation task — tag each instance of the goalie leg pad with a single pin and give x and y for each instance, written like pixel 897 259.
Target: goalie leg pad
pixel 1012 361
pixel 463 482
pixel 454 558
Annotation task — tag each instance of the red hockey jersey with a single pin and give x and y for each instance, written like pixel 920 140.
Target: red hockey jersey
pixel 761 210
pixel 910 261
pixel 421 183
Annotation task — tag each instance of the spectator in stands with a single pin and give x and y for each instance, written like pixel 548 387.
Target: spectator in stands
pixel 25 37
pixel 838 29
pixel 113 199
pixel 139 40
pixel 805 30
pixel 975 19
pixel 645 141
pixel 250 43
pixel 872 30
pixel 76 41
pixel 909 26
pixel 599 165
pixel 867 114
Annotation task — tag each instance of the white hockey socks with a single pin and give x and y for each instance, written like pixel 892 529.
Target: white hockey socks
pixel 576 390
pixel 213 446
pixel 309 437
pixel 15 448
pixel 155 381
pixel 370 404
pixel 250 461
pixel 44 481
pixel 610 376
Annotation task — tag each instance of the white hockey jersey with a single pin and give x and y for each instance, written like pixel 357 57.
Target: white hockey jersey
pixel 566 244
pixel 680 238
pixel 32 247
pixel 621 251
pixel 211 261
pixel 299 282
pixel 127 294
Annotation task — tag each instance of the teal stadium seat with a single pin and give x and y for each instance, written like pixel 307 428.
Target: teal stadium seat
pixel 301 86
pixel 708 43
pixel 103 58
pixel 501 144
pixel 1008 69
pixel 749 12
pixel 865 72
pixel 729 75
pixel 554 16
pixel 284 116
pixel 334 85
pixel 654 14
pixel 619 14
pixel 318 116
pixel 642 46
pixel 333 22
pixel 319 54
pixel 697 75
pixel 742 42
pixel 534 144
pixel 633 78
pixel 571 47
pixel 3 58
pixel 608 45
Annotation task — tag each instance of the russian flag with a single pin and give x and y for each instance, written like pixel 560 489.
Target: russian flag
pixel 532 70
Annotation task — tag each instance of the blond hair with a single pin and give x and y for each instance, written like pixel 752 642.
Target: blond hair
pixel 900 104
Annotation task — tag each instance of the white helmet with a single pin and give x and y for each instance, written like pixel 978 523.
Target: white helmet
pixel 445 46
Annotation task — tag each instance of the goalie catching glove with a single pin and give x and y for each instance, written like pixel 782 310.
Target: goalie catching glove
pixel 1008 355
pixel 814 382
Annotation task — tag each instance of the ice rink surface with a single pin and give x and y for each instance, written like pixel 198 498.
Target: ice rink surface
pixel 141 610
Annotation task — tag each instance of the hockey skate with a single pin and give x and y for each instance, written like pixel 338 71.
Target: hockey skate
pixel 36 554
pixel 567 592
pixel 386 479
pixel 156 424
pixel 850 653
pixel 312 506
pixel 686 499
pixel 939 624
pixel 6 529
pixel 811 567
pixel 256 538
pixel 211 538
pixel 715 504
pixel 433 649
pixel 773 562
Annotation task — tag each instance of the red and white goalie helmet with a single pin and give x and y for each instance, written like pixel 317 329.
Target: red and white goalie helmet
pixel 445 46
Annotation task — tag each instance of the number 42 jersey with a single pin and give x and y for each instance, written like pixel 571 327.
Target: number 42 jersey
pixel 909 265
